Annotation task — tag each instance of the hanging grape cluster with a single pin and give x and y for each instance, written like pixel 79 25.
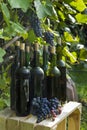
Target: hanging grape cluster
pixel 35 23
pixel 44 108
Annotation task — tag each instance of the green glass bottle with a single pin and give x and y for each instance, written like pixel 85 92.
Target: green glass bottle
pixel 22 85
pixel 53 75
pixel 37 75
pixel 14 67
pixel 61 65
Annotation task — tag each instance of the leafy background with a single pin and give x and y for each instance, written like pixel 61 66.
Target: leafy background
pixel 63 18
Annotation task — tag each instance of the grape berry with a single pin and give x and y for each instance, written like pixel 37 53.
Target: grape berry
pixel 44 108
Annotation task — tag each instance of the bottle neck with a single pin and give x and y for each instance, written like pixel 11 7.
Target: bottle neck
pixel 53 60
pixel 53 56
pixel 36 55
pixel 17 57
pixel 36 58
pixel 17 49
pixel 27 56
pixel 22 55
pixel 45 57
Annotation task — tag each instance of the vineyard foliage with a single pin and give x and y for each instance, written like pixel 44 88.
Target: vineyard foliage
pixel 29 20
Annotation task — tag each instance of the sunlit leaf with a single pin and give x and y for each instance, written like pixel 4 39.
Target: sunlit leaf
pixel 32 37
pixel 69 38
pixel 77 4
pixel 61 14
pixel 81 18
pixel 70 55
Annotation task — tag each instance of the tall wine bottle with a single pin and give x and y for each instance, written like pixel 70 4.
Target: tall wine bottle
pixel 45 68
pixel 22 85
pixel 37 75
pixel 61 65
pixel 14 67
pixel 53 75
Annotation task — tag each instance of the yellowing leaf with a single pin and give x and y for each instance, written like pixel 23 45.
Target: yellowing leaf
pixel 78 5
pixel 81 18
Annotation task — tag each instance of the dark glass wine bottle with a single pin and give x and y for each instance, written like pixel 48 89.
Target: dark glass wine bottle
pixel 37 75
pixel 14 67
pixel 45 68
pixel 22 85
pixel 61 65
pixel 53 75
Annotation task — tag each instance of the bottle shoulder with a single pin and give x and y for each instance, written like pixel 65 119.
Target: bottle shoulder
pixel 23 72
pixel 37 70
pixel 55 71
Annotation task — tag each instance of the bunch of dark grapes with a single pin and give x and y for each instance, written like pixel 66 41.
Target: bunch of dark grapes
pixel 49 37
pixel 20 13
pixel 44 108
pixel 35 23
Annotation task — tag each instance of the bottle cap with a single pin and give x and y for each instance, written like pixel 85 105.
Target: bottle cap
pixel 36 46
pixel 22 46
pixel 59 40
pixel 17 43
pixel 27 48
pixel 53 49
pixel 45 48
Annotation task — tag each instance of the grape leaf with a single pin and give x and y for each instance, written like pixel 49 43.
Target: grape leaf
pixel 81 18
pixel 6 13
pixel 2 53
pixel 23 4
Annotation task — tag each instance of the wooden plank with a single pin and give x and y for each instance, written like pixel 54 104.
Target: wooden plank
pixel 29 123
pixel 4 115
pixel 61 125
pixel 14 123
pixel 74 120
pixel 66 111
pixel 72 110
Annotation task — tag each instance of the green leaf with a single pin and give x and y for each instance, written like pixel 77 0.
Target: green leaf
pixel 81 18
pixel 2 84
pixel 61 14
pixel 2 104
pixel 2 53
pixel 70 55
pixel 6 13
pixel 68 37
pixel 32 37
pixel 40 9
pixel 15 29
pixel 44 9
pixel 78 5
pixel 23 4
pixel 19 29
pixel 83 54
pixel 68 1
